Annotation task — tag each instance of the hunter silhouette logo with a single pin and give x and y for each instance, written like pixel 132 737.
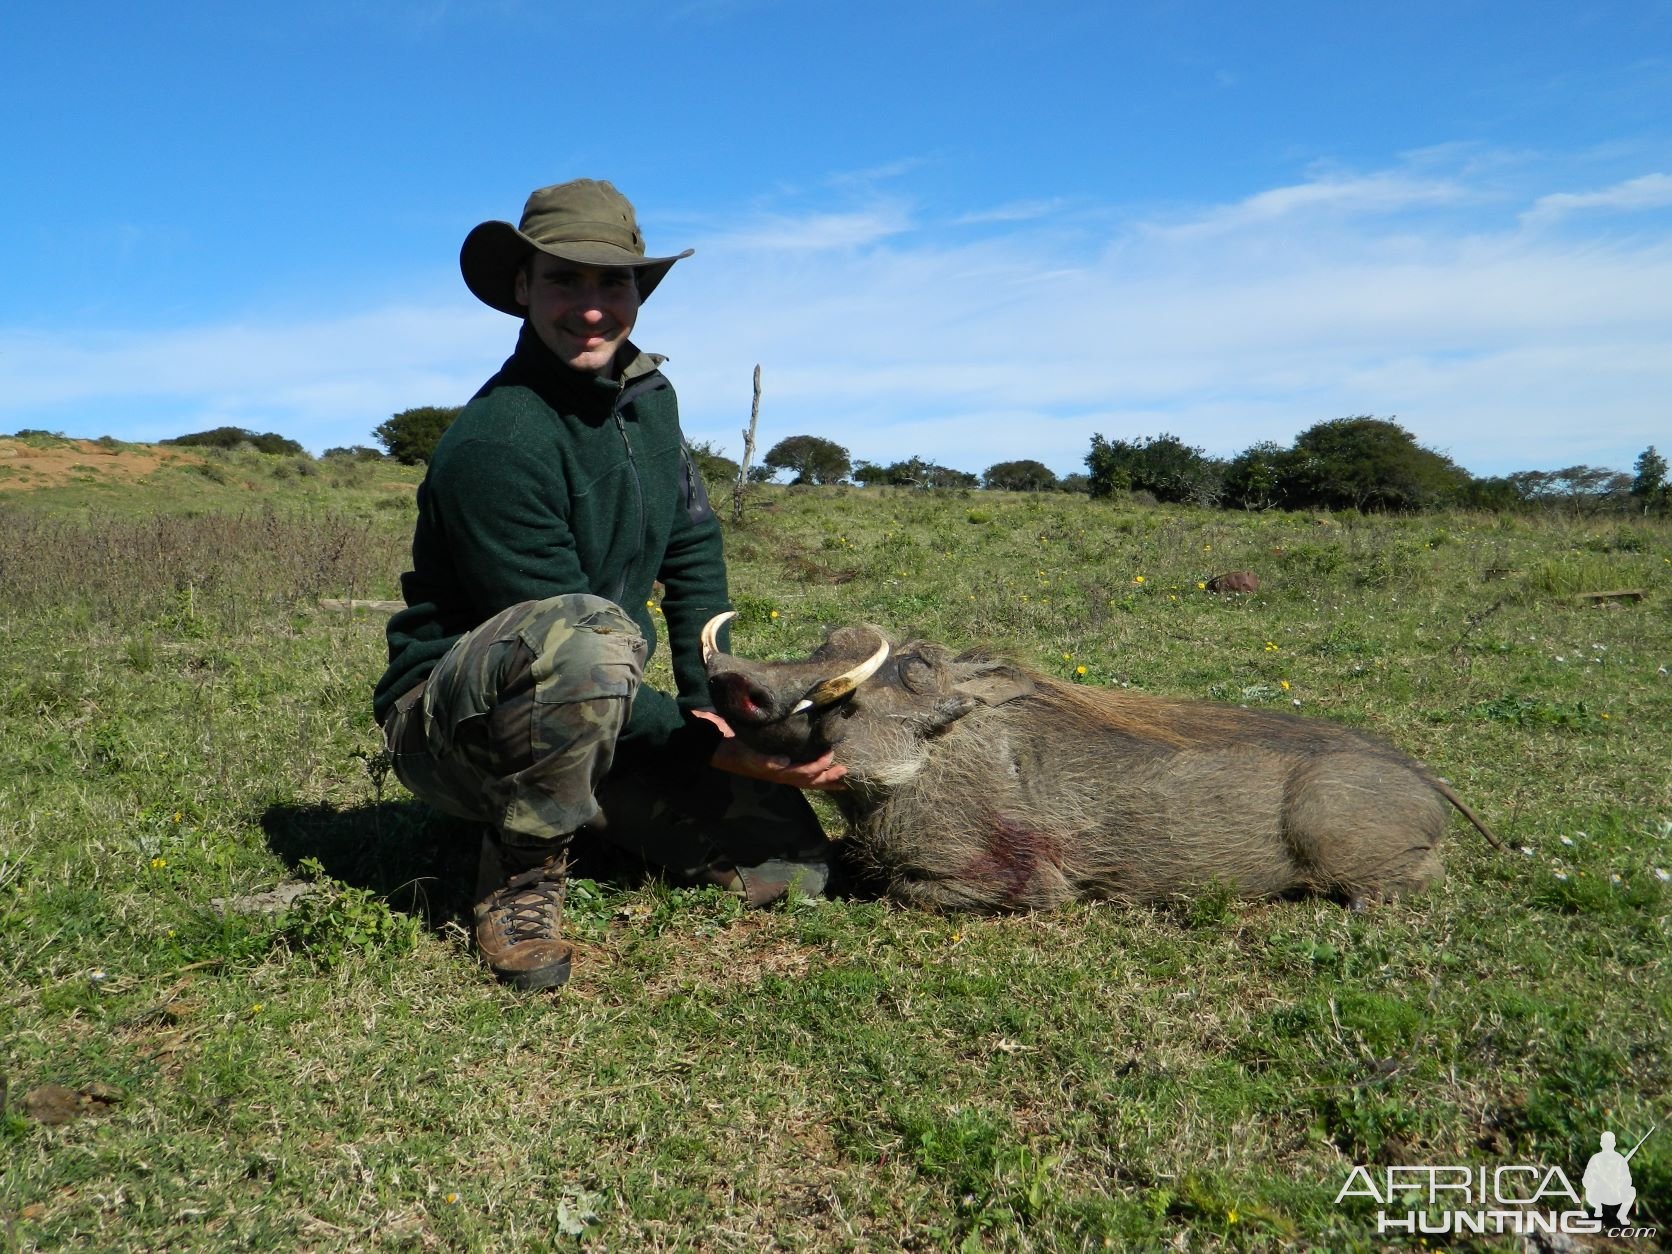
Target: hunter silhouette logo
pixel 1607 1178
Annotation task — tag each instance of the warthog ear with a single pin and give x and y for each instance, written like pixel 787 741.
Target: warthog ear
pixel 995 684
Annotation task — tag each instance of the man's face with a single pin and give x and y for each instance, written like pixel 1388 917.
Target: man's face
pixel 582 313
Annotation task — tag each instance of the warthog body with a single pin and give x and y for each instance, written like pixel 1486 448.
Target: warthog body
pixel 973 783
pixel 1235 581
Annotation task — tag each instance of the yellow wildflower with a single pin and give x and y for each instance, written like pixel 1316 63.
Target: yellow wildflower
pixel 1283 684
pixel 158 864
pixel 1079 670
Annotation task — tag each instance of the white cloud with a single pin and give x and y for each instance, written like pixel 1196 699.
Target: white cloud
pixel 1650 191
pixel 323 383
pixel 1385 193
pixel 1014 211
pixel 817 231
pixel 1508 350
pixel 1020 337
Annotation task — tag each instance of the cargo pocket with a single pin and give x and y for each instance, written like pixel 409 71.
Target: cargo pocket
pixel 586 671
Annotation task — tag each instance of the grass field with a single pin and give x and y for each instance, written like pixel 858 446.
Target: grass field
pixel 184 725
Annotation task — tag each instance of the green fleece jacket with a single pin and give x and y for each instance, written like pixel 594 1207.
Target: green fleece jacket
pixel 549 482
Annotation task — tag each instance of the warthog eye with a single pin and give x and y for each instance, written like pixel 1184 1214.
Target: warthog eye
pixel 917 673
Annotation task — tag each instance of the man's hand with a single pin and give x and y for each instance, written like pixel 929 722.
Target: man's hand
pixel 738 758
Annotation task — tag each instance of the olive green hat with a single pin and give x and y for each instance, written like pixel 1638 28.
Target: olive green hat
pixel 583 220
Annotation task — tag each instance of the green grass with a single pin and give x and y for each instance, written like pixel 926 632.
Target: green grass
pixel 183 723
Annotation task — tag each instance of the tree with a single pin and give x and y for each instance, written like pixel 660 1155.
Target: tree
pixel 1496 494
pixel 1163 465
pixel 812 458
pixel 717 470
pixel 934 476
pixel 1254 477
pixel 1368 463
pixel 1020 476
pixel 410 436
pixel 353 453
pixel 914 472
pixel 1648 486
pixel 1582 489
pixel 237 437
pixel 867 473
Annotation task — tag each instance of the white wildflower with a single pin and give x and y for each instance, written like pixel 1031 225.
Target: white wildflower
pixel 1662 874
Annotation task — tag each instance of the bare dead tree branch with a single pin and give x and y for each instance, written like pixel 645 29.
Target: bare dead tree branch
pixel 742 483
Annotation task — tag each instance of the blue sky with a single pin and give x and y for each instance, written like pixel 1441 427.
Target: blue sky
pixel 967 231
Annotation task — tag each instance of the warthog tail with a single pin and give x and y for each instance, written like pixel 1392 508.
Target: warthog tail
pixel 1444 789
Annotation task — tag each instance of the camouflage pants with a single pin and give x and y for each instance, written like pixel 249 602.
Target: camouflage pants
pixel 517 725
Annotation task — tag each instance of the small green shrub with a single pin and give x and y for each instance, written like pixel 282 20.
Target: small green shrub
pixel 1523 711
pixel 1314 559
pixel 331 924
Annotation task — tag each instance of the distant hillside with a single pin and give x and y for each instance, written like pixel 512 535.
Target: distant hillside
pixel 57 473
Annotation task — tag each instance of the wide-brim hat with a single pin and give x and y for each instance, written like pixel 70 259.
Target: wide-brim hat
pixel 585 221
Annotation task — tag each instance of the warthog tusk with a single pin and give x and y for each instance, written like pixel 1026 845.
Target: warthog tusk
pixel 711 632
pixel 838 686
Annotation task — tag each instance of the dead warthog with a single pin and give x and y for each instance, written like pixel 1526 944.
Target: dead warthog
pixel 974 783
pixel 1235 581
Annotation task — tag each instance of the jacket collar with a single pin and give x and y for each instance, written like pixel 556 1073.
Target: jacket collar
pixel 574 391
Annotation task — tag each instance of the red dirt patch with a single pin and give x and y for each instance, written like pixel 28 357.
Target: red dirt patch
pixel 22 466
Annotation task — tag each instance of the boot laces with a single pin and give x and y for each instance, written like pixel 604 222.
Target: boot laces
pixel 531 903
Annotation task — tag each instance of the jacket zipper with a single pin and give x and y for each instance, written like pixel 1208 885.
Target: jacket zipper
pixel 638 488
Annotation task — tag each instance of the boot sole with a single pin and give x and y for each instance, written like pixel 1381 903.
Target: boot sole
pixel 553 976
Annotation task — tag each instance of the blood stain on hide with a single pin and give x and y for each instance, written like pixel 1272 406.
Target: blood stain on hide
pixel 1013 852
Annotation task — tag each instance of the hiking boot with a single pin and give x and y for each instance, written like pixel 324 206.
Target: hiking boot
pixel 519 907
